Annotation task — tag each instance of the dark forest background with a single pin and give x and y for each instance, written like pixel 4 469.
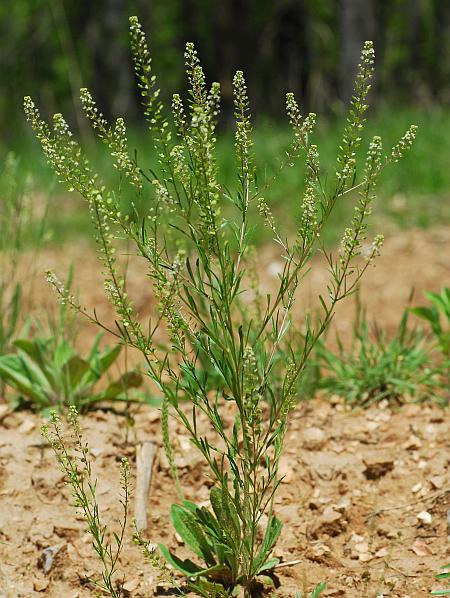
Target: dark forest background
pixel 50 48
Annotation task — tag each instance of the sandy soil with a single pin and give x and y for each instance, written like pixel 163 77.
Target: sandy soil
pixel 414 260
pixel 340 467
pixel 395 463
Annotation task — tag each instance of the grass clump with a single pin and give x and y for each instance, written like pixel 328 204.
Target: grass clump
pixel 197 241
pixel 376 367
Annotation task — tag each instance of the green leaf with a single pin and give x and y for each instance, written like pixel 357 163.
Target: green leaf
pixel 38 360
pixel 128 380
pixel 225 512
pixel 270 538
pixel 75 369
pixel 34 349
pixel 187 567
pixel 225 554
pixel 105 360
pixel 269 564
pixel 426 313
pixel 441 301
pixel 316 592
pixel 207 589
pixel 265 580
pixel 95 347
pixel 190 506
pixel 14 371
pixel 190 530
pixel 216 572
pixel 100 362
pixel 62 354
pixel 210 523
pixel 321 587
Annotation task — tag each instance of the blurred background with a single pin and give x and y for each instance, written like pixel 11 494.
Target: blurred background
pixel 51 48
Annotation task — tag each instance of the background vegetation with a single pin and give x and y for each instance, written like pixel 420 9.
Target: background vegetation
pixel 51 48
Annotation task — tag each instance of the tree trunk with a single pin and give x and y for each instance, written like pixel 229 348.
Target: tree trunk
pixel 357 26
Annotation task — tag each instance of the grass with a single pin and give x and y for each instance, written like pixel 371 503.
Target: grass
pixel 377 367
pixel 416 195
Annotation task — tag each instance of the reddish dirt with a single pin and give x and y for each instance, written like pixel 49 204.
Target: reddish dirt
pixel 393 462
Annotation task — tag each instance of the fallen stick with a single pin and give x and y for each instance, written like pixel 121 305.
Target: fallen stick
pixel 145 455
pixel 287 563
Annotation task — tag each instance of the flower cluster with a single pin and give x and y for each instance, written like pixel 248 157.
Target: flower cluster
pixel 153 107
pixel 303 127
pixel 355 121
pixel 309 212
pixel 201 141
pixel 252 396
pixel 179 115
pixel 354 236
pixel 195 75
pixel 114 137
pixel 404 144
pixel 266 214
pixel 243 140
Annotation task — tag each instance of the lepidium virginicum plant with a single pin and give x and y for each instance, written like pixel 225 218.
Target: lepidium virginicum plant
pixel 74 461
pixel 225 350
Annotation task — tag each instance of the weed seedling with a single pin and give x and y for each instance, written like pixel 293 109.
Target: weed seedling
pixel 46 376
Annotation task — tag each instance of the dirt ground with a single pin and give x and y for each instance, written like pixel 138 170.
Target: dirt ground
pixel 340 466
pixel 414 260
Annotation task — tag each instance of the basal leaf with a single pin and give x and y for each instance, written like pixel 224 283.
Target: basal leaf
pixel 187 567
pixel 75 369
pixel 119 387
pixel 225 512
pixel 62 354
pixel 18 374
pixel 270 538
pixel 207 588
pixel 107 358
pixel 269 564
pixel 190 530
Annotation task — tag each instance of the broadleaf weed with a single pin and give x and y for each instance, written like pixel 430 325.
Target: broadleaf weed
pixel 48 375
pixel 196 241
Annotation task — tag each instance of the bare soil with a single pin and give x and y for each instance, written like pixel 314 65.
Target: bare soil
pixel 364 502
pixel 365 495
